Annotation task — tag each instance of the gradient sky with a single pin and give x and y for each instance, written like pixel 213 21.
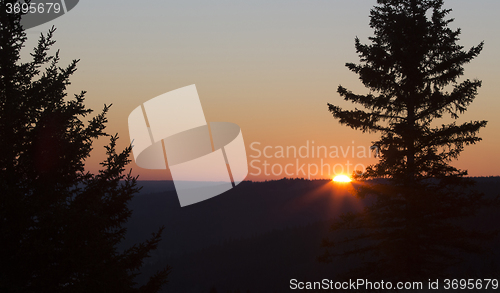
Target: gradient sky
pixel 269 66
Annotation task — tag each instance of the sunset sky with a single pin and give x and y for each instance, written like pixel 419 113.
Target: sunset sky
pixel 269 66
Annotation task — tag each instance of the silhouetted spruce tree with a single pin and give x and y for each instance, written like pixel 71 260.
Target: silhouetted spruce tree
pixel 412 69
pixel 59 225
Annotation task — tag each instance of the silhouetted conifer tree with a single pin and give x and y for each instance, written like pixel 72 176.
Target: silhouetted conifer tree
pixel 59 225
pixel 412 69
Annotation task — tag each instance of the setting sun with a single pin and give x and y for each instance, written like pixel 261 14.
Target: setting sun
pixel 341 178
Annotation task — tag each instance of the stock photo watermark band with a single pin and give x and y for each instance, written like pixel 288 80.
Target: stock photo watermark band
pixel 307 160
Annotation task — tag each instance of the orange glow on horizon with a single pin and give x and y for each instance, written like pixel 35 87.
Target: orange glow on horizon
pixel 342 179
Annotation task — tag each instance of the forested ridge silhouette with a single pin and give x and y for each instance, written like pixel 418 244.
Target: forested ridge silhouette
pixel 262 234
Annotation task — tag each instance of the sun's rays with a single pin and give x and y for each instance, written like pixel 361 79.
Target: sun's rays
pixel 334 197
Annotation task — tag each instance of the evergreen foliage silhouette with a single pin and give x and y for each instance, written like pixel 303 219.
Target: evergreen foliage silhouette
pixel 59 225
pixel 412 68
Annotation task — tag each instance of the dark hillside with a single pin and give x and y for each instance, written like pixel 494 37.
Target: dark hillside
pixel 262 234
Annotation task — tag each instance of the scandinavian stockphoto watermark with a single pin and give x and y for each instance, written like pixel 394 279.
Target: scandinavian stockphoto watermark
pixel 170 131
pixel 368 285
pixel 308 160
pixel 36 12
